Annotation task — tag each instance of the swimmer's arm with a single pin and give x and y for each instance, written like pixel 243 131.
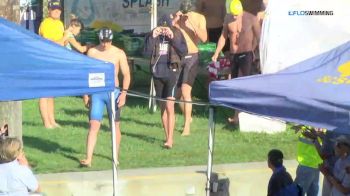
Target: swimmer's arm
pixel 221 43
pixel 77 45
pixel 124 68
pixel 201 30
pixel 256 32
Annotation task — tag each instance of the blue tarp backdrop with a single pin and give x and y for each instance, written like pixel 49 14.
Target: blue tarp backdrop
pixel 313 92
pixel 32 67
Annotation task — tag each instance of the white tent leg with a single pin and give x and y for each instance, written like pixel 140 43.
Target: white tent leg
pixel 211 129
pixel 114 144
pixel 152 106
pixel 154 14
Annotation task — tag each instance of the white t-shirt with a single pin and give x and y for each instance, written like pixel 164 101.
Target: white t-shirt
pixel 16 179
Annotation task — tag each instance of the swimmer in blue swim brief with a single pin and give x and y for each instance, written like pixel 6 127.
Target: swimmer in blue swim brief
pixel 98 101
pixel 105 51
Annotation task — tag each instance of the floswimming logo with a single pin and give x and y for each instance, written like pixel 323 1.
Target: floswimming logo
pixel 344 71
pixel 310 13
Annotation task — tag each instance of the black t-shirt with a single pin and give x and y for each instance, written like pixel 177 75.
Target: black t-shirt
pixel 161 68
pixel 279 179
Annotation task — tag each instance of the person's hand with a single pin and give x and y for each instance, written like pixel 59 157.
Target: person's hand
pixel 22 160
pixel 311 134
pixel 185 22
pixel 168 32
pixel 121 99
pixel 214 58
pixel 156 32
pixel 324 170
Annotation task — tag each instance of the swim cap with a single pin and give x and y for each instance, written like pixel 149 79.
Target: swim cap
pixel 186 6
pixel 105 34
pixel 234 7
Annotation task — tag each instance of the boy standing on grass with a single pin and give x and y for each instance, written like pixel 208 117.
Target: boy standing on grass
pixel 105 51
pixel 15 176
pixel 193 27
pixel 52 29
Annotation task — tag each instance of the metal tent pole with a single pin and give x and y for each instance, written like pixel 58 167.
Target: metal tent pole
pixel 114 144
pixel 152 103
pixel 211 129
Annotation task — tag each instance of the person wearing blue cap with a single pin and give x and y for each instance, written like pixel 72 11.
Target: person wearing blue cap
pixel 166 46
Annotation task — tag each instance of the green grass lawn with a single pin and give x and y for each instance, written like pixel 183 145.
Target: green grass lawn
pixel 59 150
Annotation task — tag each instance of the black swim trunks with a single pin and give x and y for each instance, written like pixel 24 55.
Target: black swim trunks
pixel 241 62
pixel 189 70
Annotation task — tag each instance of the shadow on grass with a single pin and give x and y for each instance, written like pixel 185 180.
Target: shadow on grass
pixel 50 147
pixel 139 122
pixel 45 145
pixel 81 124
pixel 145 138
pixel 30 123
pixel 76 112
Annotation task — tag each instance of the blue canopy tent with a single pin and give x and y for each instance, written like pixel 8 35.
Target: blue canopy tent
pixel 313 92
pixel 33 67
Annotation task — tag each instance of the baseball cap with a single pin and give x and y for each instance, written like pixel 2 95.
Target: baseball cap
pixel 105 34
pixel 342 139
pixel 55 4
pixel 165 20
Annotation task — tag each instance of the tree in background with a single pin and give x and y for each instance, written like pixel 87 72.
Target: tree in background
pixel 11 112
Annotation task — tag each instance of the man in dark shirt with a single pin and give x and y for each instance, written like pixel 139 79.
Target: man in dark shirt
pixel 280 177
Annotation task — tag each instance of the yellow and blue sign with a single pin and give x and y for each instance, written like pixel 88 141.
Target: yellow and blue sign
pixel 341 78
